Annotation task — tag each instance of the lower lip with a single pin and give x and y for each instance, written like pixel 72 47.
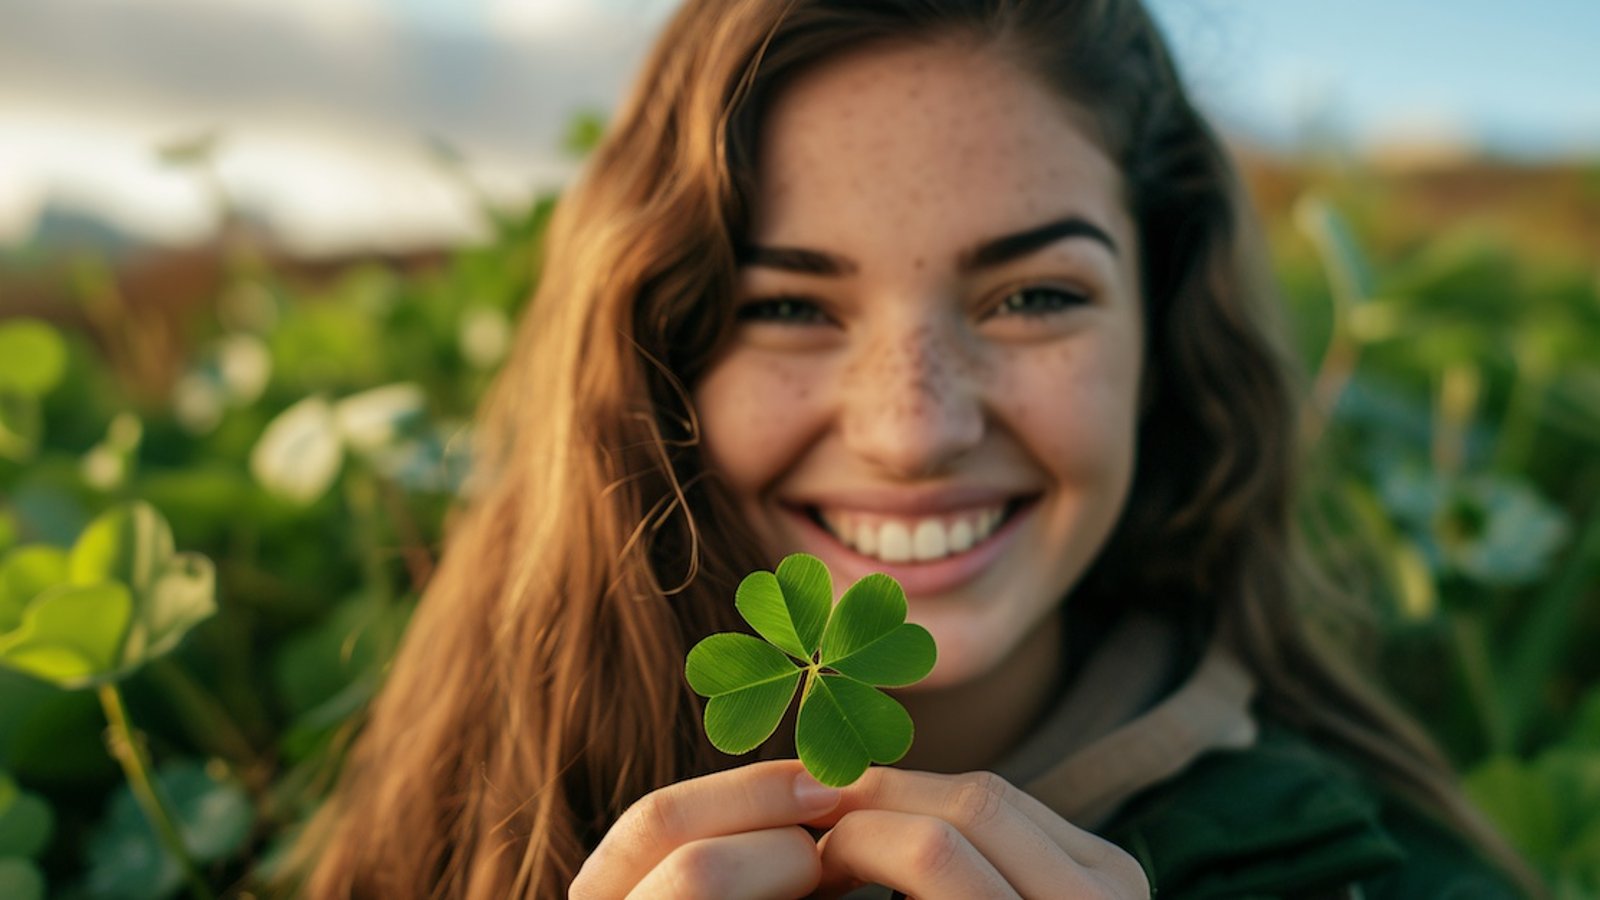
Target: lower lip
pixel 918 578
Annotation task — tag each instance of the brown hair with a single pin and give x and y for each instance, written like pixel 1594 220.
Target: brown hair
pixel 539 690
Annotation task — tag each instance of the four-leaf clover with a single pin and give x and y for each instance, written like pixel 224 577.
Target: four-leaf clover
pixel 845 722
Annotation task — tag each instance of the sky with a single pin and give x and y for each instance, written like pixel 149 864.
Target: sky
pixel 325 108
pixel 1523 78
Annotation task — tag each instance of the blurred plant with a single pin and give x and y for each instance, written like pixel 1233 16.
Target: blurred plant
pixel 307 434
pixel 1465 469
pixel 1550 805
pixel 89 618
pixel 26 822
pixel 32 357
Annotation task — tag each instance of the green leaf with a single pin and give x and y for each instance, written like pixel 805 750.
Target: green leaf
pixel 70 636
pixel 789 608
pixel 1347 265
pixel 903 656
pixel 25 825
pixel 845 725
pixel 868 637
pixel 25 573
pixel 131 543
pixel 182 596
pixel 749 685
pixel 20 880
pixel 32 357
pixel 1518 801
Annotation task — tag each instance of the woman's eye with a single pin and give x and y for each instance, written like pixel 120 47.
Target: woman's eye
pixel 790 310
pixel 1039 301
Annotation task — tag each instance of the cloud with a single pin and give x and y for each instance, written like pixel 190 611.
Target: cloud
pixel 569 17
pixel 325 107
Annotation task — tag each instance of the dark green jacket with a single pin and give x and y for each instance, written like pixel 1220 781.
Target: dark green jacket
pixel 1283 819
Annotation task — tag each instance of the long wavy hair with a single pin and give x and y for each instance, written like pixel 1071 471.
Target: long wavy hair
pixel 539 689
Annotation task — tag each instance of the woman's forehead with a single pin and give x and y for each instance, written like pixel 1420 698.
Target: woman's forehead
pixel 927 133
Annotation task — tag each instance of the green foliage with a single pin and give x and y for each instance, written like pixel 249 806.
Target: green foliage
pixel 125 859
pixel 26 826
pixel 1550 808
pixel 584 133
pixel 845 723
pixel 122 597
pixel 1459 444
pixel 309 432
pixel 32 359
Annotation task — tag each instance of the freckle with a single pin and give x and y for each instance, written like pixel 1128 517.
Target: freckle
pixel 920 263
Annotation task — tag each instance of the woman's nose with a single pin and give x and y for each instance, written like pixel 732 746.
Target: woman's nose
pixel 912 403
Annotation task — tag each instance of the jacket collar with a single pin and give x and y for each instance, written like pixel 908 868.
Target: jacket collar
pixel 1113 734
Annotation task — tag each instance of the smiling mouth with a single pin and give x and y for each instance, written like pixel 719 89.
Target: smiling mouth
pixel 903 539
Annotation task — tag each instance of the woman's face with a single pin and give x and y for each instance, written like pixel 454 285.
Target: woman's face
pixel 936 369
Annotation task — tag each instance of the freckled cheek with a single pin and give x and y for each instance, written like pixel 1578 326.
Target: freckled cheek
pixel 756 418
pixel 1075 414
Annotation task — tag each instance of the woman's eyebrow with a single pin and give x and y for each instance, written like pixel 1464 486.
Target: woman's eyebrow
pixel 1015 246
pixel 795 259
pixel 986 255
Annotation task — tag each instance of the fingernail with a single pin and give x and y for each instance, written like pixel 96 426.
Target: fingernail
pixel 814 795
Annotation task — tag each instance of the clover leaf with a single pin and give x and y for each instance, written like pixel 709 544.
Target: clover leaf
pixel 846 652
pixel 122 596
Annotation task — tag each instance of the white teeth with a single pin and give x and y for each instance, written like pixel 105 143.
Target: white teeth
pixel 922 539
pixel 894 542
pixel 928 542
pixel 961 536
pixel 845 528
pixel 866 540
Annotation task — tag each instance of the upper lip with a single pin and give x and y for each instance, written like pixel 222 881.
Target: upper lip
pixel 908 501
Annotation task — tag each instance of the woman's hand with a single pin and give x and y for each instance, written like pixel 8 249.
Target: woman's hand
pixel 974 835
pixel 732 834
pixel 736 834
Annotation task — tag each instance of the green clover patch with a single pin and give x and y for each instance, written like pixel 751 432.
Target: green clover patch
pixel 845 652
pixel 119 598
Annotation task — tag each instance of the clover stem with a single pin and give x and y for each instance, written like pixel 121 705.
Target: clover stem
pixel 129 753
pixel 811 676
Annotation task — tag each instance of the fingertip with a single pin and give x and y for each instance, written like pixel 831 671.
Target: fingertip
pixel 813 796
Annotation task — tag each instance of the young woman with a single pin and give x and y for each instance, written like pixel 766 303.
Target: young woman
pixel 957 290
